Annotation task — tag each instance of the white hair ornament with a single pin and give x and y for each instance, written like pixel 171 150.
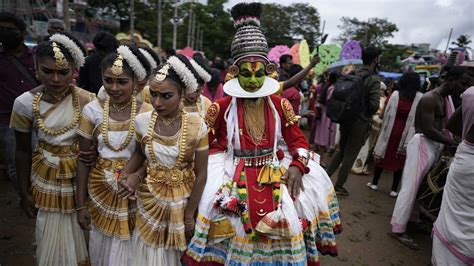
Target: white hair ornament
pixel 71 46
pixel 132 61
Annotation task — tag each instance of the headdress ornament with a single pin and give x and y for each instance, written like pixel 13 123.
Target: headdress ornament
pixel 132 61
pixel 76 53
pixel 182 70
pixel 201 71
pixel 249 39
pixel 149 58
pixel 117 67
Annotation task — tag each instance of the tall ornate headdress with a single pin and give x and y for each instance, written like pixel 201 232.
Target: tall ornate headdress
pixel 249 45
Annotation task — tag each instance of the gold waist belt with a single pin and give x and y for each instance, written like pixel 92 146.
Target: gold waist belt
pixel 171 176
pixel 61 151
pixel 111 164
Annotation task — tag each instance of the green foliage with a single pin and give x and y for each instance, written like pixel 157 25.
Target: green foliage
pixel 281 24
pixel 374 31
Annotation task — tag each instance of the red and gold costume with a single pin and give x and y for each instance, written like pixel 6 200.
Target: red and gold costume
pixel 246 214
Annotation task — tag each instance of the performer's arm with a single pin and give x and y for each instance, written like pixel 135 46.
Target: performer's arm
pixel 200 168
pixel 296 79
pixel 134 173
pixel 427 122
pixel 454 124
pixel 82 178
pixel 23 156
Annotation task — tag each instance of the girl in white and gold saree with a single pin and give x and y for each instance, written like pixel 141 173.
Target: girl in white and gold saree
pixel 52 111
pixel 111 124
pixel 174 145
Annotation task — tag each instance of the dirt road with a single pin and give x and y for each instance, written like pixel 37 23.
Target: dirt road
pixel 365 216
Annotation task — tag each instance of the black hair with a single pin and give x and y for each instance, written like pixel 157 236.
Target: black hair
pixel 408 85
pixel 215 77
pixel 369 54
pixel 45 50
pixel 142 60
pixel 198 55
pixel 153 54
pixel 170 51
pixel 12 18
pixel 294 69
pixel 188 64
pixel 106 42
pixel 332 78
pixel 285 58
pixel 109 60
pixel 450 73
pixel 432 84
pixel 173 76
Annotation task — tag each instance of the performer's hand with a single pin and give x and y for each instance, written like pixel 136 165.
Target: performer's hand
pixel 88 157
pixel 84 219
pixel 315 60
pixel 295 180
pixel 27 203
pixel 128 186
pixel 189 223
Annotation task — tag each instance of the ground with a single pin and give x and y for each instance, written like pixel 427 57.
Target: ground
pixel 364 241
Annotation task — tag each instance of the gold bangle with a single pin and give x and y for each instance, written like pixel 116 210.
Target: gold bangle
pixel 82 207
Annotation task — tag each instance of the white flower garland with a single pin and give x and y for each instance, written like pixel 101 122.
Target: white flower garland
pixel 200 70
pixel 132 61
pixel 72 47
pixel 184 74
pixel 149 58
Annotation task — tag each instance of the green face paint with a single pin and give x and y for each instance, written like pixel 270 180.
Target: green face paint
pixel 252 76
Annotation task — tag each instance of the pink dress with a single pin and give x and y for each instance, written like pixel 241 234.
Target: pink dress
pixel 325 133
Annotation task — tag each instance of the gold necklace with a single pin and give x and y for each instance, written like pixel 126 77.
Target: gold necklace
pixel 40 121
pixel 182 143
pixel 254 116
pixel 57 96
pixel 105 125
pixel 167 121
pixel 119 107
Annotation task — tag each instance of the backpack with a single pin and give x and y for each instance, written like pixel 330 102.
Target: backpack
pixel 347 100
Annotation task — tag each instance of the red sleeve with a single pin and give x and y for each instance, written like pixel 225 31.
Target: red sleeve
pixel 290 130
pixel 216 123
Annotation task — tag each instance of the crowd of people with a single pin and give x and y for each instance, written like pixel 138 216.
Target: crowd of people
pixel 164 159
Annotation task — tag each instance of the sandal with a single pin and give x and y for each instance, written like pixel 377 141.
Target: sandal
pixel 405 240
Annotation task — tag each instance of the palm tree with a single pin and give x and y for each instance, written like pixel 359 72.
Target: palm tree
pixel 463 41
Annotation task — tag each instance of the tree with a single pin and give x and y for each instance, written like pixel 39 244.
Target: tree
pixel 305 22
pixel 283 25
pixel 374 31
pixel 463 41
pixel 275 24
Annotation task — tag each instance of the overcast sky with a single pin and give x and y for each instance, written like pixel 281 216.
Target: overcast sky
pixel 418 21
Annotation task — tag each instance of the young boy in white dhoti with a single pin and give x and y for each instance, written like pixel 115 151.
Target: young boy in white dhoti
pixel 453 231
pixel 432 112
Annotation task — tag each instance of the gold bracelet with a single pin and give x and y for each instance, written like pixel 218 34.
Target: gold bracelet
pixel 82 207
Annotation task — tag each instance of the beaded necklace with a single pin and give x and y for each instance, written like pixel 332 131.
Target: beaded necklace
pixel 182 142
pixel 40 121
pixel 105 125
